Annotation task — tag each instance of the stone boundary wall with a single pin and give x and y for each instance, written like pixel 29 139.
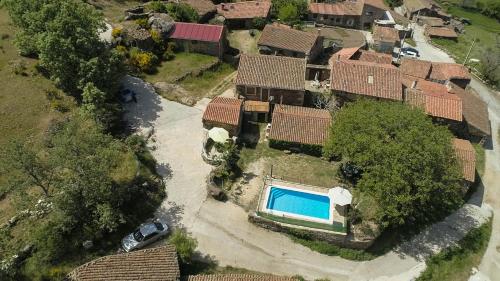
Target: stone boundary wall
pixel 347 241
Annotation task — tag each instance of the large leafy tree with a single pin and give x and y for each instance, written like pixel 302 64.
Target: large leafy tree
pixel 409 167
pixel 289 11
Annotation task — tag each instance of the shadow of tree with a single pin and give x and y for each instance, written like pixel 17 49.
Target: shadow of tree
pixel 164 170
pixel 143 113
pixel 172 214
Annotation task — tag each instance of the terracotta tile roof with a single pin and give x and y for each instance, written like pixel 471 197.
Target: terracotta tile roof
pixel 415 68
pixel 475 110
pixel 244 9
pixel 202 7
pixel 256 106
pixel 157 264
pixel 386 34
pixel 197 32
pixel 415 5
pixel 274 72
pixel 368 79
pixel 288 39
pixel 344 8
pixel 375 57
pixel 435 100
pixel 466 156
pixel 446 71
pixel 440 32
pixel 223 110
pixel 344 54
pixel 239 277
pixel 300 124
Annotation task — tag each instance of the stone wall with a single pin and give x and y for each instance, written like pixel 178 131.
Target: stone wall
pixel 347 241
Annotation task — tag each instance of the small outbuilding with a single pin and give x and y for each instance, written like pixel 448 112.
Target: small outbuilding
pixel 302 127
pixel 441 32
pixel 200 38
pixel 224 113
pixel 466 156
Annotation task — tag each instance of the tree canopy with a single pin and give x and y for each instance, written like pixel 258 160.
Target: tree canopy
pixel 289 11
pixel 408 164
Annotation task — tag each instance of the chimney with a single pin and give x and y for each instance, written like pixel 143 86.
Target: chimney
pixel 370 79
pixel 413 84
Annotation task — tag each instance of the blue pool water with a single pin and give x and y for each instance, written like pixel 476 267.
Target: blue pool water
pixel 299 203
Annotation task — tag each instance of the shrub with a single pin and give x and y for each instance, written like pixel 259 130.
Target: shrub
pixel 156 36
pixel 184 244
pixel 258 23
pixel 116 32
pixel 314 150
pixel 182 12
pixel 157 6
pixel 19 67
pixel 142 23
pixel 143 61
pixel 170 51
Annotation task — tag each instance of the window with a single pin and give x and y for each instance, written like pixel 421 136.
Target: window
pixel 138 236
pixel 149 236
pixel 350 22
pixel 370 79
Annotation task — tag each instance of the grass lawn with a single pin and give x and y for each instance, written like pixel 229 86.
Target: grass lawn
pixel 480 158
pixel 183 63
pixel 114 10
pixel 483 28
pixel 456 263
pixel 25 111
pixel 410 42
pixel 200 85
pixel 243 41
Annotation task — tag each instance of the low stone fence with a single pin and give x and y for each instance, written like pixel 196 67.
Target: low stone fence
pixel 347 241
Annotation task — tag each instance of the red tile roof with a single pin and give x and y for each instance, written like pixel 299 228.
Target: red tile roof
pixel 435 100
pixel 377 4
pixel 440 32
pixel 273 72
pixel 344 54
pixel 343 8
pixel 386 34
pixel 197 32
pixel 224 110
pixel 156 264
pixel 415 68
pixel 244 9
pixel 288 39
pixel 239 277
pixel 300 124
pixel 374 57
pixel 446 71
pixel 466 157
pixel 368 79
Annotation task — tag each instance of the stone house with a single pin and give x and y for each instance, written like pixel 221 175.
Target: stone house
pixel 242 14
pixel 385 39
pixel 200 38
pixel 436 71
pixel 412 8
pixel 273 79
pixel 282 40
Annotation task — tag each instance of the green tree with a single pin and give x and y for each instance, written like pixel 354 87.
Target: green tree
pixel 408 163
pixel 184 244
pixel 283 9
pixel 289 14
pixel 182 12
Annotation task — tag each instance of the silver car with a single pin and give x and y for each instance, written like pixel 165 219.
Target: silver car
pixel 146 234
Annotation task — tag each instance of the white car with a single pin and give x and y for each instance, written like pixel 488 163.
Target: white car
pixel 146 234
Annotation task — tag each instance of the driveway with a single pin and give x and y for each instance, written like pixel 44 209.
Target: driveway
pixel 490 265
pixel 222 230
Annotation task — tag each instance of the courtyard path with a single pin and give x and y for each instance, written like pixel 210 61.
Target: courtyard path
pixel 222 229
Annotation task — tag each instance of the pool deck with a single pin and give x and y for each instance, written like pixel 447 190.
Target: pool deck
pixel 261 207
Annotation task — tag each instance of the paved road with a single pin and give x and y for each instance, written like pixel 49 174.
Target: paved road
pixel 490 265
pixel 222 229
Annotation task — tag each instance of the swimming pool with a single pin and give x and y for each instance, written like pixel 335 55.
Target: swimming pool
pixel 286 201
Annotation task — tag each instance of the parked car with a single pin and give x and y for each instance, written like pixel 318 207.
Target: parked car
pixel 410 52
pixel 146 234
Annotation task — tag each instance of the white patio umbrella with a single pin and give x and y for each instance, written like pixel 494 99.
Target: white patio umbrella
pixel 219 135
pixel 340 196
